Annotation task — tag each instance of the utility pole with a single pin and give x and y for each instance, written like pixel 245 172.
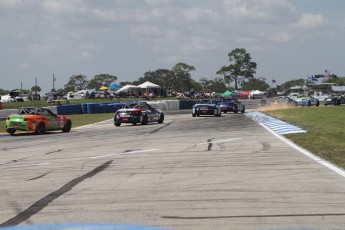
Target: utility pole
pixel 35 88
pixel 54 79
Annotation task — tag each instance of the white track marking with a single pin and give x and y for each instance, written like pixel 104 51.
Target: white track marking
pixel 211 142
pixel 23 166
pixel 124 153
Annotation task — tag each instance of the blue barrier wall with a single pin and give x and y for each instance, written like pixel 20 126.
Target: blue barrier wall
pixel 187 104
pixel 89 108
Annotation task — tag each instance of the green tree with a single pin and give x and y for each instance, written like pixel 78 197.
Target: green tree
pixel 205 83
pixel 218 85
pixel 340 81
pixel 287 85
pixel 101 80
pixel 161 77
pixel 123 83
pixel 4 91
pixel 241 67
pixel 255 84
pixel 36 89
pixel 60 92
pixel 76 82
pixel 25 91
pixel 181 78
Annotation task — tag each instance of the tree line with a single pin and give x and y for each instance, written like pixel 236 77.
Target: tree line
pixel 240 73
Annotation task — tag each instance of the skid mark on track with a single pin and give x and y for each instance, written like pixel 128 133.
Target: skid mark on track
pixel 45 201
pixel 165 125
pixel 35 178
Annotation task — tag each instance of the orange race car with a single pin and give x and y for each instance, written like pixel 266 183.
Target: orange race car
pixel 38 120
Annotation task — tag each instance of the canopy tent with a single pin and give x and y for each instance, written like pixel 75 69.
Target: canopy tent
pixel 115 86
pixel 227 94
pixel 149 85
pixel 244 95
pixel 256 94
pixel 128 88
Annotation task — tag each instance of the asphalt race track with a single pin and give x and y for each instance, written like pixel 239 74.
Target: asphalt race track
pixel 207 172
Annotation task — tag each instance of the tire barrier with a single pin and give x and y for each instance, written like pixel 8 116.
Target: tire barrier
pixel 172 105
pixel 187 104
pixel 157 104
pixel 69 109
pixel 112 107
pixel 89 108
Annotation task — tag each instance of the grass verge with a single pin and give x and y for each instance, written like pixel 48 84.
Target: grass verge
pixel 325 130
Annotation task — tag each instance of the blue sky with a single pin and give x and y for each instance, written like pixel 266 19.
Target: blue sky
pixel 288 39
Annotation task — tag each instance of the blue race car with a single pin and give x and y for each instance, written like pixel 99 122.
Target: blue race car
pixel 231 105
pixel 306 101
pixel 206 107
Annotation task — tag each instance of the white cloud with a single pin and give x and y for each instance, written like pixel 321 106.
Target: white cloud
pixel 198 15
pixel 196 44
pixel 308 20
pixel 259 11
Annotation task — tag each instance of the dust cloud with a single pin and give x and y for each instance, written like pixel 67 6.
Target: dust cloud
pixel 276 106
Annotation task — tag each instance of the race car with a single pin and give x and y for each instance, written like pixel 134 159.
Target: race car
pixel 206 107
pixel 306 101
pixel 135 113
pixel 37 120
pixel 231 105
pixel 334 100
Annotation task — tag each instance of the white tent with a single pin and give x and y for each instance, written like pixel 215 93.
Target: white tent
pixel 256 94
pixel 149 85
pixel 128 88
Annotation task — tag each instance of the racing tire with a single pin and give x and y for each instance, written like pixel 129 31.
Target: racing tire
pixel 10 131
pixel 243 110
pixel 117 123
pixel 67 127
pixel 134 123
pixel 193 115
pixel 41 128
pixel 317 103
pixel 309 103
pixel 225 111
pixel 161 119
pixel 235 108
pixel 144 119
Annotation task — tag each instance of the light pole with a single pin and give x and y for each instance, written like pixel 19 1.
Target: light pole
pixel 54 79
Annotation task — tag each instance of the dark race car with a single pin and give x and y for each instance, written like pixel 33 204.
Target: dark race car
pixel 140 112
pixel 206 107
pixel 334 100
pixel 231 105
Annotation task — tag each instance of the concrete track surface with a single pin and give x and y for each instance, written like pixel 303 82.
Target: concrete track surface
pixel 206 172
